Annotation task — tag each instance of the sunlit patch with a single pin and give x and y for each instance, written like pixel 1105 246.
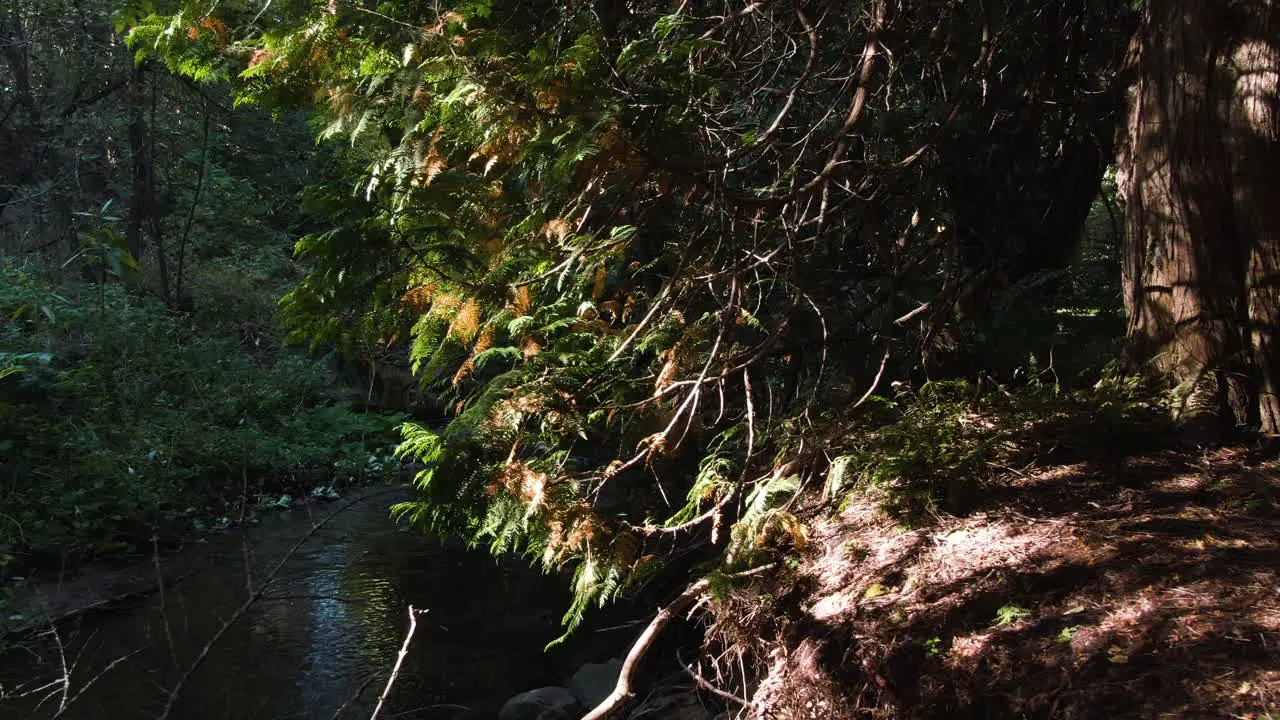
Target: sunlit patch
pixel 968 648
pixel 1258 85
pixel 1181 484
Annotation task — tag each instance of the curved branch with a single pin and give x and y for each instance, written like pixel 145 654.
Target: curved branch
pixel 812 32
pixel 717 507
pixel 622 691
pixel 729 19
pixel 857 107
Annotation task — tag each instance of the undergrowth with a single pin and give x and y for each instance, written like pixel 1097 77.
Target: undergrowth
pixel 121 420
pixel 928 450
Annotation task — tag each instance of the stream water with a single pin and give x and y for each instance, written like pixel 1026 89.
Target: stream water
pixel 325 634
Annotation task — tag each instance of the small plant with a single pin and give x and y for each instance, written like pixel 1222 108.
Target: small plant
pixel 854 550
pixel 1067 633
pixel 874 591
pixel 933 647
pixel 1010 614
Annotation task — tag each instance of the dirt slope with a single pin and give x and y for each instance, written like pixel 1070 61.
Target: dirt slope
pixel 1140 588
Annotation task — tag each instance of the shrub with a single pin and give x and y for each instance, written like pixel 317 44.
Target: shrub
pixel 120 419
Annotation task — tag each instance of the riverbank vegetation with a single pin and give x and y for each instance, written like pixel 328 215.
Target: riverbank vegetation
pixel 145 390
pixel 706 287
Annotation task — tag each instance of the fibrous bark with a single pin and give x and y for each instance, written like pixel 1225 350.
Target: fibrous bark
pixel 1198 164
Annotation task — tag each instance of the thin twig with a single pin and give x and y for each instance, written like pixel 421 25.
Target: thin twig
pixel 195 199
pixel 354 696
pixel 66 673
pixel 164 607
pixel 93 680
pixel 260 12
pixel 706 684
pixel 395 671
pixel 876 382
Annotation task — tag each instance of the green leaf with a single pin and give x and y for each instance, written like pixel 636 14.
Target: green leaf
pixel 634 53
pixel 512 354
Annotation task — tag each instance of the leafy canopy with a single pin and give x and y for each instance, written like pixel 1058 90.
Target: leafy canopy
pixel 652 254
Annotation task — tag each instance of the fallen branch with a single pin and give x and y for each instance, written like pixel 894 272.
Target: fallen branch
pixel 395 671
pixel 104 603
pixel 92 681
pixel 65 683
pixel 622 692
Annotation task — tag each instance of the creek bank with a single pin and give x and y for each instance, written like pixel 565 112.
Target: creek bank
pixel 1144 587
pixel 486 617
pixel 38 599
pixel 332 619
pixel 133 550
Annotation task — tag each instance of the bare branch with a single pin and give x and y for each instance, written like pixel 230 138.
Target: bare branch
pixel 622 691
pixel 395 671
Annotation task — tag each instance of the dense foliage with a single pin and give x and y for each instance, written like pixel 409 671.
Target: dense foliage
pixel 656 257
pixel 133 425
pixel 144 392
pixel 691 283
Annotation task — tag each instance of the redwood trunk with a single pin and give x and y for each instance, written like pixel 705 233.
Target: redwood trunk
pixel 1199 177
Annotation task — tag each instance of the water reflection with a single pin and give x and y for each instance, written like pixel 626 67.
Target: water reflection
pixel 329 626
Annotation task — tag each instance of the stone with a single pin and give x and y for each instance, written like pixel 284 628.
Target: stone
pixel 593 682
pixel 547 703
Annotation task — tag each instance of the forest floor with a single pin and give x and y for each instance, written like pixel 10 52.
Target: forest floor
pixel 1137 587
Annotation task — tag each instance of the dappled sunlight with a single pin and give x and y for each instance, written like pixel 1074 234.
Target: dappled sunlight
pixel 1161 571
pixel 1257 67
pixel 877 359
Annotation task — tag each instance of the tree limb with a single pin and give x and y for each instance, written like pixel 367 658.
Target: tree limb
pixel 395 671
pixel 622 691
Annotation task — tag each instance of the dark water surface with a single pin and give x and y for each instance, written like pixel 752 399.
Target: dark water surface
pixel 331 622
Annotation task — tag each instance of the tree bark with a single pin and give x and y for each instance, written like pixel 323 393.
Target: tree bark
pixel 1198 164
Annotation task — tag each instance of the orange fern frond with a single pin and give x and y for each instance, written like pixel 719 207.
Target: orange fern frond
pixel 522 300
pixel 466 323
pixel 418 299
pixel 598 283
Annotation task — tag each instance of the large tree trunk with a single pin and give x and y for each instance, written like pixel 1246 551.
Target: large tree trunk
pixel 1199 172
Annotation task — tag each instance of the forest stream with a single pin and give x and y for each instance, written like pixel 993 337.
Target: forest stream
pixel 324 634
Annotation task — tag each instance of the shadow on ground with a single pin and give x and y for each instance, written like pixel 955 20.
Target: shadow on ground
pixel 1136 587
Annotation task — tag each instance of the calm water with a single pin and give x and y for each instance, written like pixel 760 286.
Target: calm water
pixel 331 623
